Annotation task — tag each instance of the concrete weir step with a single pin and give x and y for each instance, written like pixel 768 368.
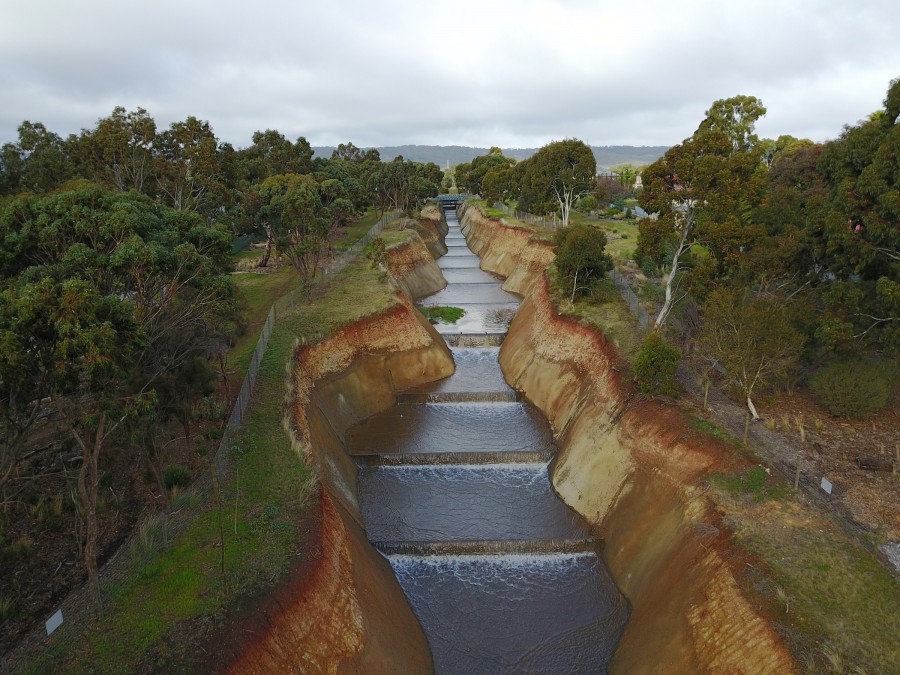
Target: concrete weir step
pixel 474 339
pixel 450 458
pixel 492 547
pixel 459 262
pixel 458 396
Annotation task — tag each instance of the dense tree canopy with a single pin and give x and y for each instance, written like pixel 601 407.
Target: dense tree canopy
pixel 470 176
pixel 782 249
pixel 115 293
pixel 104 294
pixel 705 190
pixel 555 176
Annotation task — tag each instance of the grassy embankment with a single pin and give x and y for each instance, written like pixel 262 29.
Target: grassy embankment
pixel 836 606
pixel 621 235
pixel 247 538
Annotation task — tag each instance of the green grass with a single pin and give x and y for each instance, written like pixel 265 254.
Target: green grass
pixel 832 599
pixel 606 311
pixel 394 236
pixel 621 237
pixel 357 292
pixel 755 481
pixel 259 292
pixel 711 429
pixel 350 234
pixel 440 314
pixel 542 233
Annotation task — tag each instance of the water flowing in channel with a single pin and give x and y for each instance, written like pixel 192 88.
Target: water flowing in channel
pixel 454 490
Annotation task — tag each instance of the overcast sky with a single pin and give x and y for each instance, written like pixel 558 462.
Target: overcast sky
pixel 514 73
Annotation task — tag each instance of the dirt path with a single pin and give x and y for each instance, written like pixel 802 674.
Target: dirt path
pixel 864 504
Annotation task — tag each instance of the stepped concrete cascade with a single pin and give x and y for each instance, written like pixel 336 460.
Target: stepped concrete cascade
pixel 489 309
pixel 453 489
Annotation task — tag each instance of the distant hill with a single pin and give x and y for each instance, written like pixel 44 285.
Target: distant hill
pixel 442 155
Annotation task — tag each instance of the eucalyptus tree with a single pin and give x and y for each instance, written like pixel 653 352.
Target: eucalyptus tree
pixel 498 184
pixel 470 175
pixel 752 336
pixel 626 174
pixel 187 164
pixel 272 154
pixel 120 149
pixel 401 185
pixel 860 237
pixel 296 222
pixel 581 258
pixel 112 292
pixel 556 176
pixel 348 152
pixel 705 190
pixel 37 162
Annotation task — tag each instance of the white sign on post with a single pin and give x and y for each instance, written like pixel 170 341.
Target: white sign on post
pixel 826 485
pixel 54 622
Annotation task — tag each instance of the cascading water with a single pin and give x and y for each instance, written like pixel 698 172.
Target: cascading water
pixel 453 489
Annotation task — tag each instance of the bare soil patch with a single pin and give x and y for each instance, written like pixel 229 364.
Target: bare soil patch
pixel 868 501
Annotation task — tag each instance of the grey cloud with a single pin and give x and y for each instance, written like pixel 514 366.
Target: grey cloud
pixel 517 74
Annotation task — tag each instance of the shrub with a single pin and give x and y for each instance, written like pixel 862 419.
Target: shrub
pixel 20 548
pixel 376 251
pixel 588 203
pixel 856 389
pixel 209 408
pixel 176 475
pixel 580 257
pixel 648 267
pixel 151 538
pixel 655 366
pixel 7 608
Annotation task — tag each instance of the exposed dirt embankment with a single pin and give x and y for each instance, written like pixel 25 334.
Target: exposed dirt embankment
pixel 411 263
pixel 512 252
pixel 432 227
pixel 632 468
pixel 346 612
pixel 338 614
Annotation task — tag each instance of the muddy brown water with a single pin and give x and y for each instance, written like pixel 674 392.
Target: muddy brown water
pixel 454 490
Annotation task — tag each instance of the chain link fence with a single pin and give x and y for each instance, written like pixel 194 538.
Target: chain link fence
pixel 623 283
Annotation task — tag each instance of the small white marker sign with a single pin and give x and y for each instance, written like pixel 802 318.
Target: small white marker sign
pixel 54 622
pixel 826 485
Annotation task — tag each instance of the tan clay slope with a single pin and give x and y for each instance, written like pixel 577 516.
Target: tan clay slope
pixel 345 612
pixel 432 227
pixel 511 252
pixel 412 267
pixel 632 468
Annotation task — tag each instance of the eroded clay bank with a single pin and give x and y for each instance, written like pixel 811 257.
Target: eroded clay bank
pixel 628 466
